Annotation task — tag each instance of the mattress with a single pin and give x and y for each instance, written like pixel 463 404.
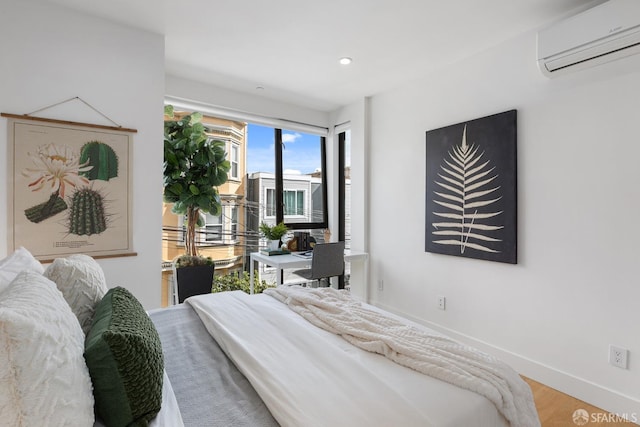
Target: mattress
pixel 212 391
pixel 257 377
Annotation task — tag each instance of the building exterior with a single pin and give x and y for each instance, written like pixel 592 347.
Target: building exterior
pixel 302 201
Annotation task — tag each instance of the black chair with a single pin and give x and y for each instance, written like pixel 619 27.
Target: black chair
pixel 327 261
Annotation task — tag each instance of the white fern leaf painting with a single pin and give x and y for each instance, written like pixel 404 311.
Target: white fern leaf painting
pixel 471 189
pixel 466 186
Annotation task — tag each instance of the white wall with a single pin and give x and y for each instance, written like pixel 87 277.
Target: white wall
pixel 50 54
pixel 575 289
pixel 208 95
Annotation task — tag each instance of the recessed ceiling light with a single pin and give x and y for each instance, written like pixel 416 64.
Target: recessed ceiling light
pixel 345 60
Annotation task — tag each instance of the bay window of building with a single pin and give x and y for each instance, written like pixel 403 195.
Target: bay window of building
pixel 212 228
pixel 234 159
pixel 233 222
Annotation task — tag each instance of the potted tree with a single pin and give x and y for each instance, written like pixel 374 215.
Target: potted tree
pixel 194 166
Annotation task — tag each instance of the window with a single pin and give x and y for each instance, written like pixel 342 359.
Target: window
pixel 235 162
pixel 286 171
pixel 302 173
pixel 234 222
pixel 293 202
pixel 217 228
pixel 270 209
pixel 213 228
pixel 210 233
pixel 344 191
pixel 344 197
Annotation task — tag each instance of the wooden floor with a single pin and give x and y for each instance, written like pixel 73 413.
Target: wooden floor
pixel 557 409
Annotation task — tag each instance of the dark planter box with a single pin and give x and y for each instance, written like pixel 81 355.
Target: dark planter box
pixel 194 281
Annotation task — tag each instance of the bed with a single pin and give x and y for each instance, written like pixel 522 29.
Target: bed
pixel 290 357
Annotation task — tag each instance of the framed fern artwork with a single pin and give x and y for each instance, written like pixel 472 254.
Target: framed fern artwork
pixel 471 193
pixel 70 188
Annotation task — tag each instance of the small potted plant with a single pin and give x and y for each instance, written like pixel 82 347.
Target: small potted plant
pixel 273 233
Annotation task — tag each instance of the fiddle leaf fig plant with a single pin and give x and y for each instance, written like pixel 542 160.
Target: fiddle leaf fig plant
pixel 194 167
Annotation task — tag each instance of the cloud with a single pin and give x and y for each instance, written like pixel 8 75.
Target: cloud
pixel 290 137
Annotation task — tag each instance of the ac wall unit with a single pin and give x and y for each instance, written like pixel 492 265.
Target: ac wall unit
pixel 603 33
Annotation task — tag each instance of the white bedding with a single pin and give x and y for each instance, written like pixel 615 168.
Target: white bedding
pixel 308 376
pixel 429 353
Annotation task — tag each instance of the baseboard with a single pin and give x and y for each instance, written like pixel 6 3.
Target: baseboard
pixel 580 388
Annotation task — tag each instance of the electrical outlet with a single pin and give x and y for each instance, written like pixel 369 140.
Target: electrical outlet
pixel 442 303
pixel 618 356
pixel 380 284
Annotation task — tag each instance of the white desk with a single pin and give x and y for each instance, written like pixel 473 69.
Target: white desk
pixel 281 262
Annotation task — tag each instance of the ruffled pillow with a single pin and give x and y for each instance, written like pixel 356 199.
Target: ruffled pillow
pixel 81 281
pixel 42 370
pixel 15 263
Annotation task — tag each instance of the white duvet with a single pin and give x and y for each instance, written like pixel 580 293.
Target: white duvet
pixel 429 353
pixel 312 377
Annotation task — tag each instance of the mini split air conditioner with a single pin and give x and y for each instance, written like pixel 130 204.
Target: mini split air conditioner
pixel 603 33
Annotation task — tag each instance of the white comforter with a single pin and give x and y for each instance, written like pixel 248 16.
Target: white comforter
pixel 310 377
pixel 431 354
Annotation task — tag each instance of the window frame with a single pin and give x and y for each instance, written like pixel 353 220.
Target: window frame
pixel 297 192
pixel 204 240
pixel 279 190
pixel 234 148
pixel 202 235
pixel 234 213
pixel 269 205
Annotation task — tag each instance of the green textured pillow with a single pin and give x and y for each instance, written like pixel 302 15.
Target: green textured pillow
pixel 124 356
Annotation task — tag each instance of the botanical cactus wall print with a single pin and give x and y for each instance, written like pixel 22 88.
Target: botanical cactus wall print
pixel 102 159
pixel 471 189
pixel 87 213
pixel 70 188
pixel 54 169
pixel 45 210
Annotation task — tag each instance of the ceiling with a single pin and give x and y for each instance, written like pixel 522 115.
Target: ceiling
pixel 289 49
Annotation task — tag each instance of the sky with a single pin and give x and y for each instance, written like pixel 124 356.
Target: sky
pixel 301 154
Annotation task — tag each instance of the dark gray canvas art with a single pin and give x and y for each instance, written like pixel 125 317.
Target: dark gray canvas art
pixel 471 196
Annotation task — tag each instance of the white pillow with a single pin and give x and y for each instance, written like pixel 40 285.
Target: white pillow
pixel 18 261
pixel 81 281
pixel 44 378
